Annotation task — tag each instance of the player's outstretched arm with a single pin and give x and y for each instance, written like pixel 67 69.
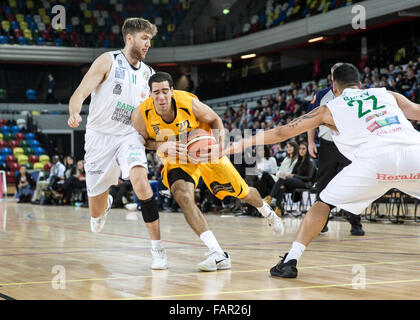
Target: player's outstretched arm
pixel 410 109
pixel 312 120
pixel 96 74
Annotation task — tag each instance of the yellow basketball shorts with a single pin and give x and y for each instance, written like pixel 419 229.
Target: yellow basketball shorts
pixel 221 178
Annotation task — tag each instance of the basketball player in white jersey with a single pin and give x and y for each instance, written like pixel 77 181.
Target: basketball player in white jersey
pixel 118 82
pixel 371 129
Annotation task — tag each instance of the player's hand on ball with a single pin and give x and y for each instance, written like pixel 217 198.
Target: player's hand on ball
pixel 74 120
pixel 208 154
pixel 174 149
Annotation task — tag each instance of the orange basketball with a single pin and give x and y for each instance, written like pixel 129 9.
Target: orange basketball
pixel 199 140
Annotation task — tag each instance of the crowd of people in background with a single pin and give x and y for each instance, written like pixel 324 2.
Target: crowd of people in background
pixel 277 169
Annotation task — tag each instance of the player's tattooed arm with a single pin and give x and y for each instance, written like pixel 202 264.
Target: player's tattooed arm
pixel 312 120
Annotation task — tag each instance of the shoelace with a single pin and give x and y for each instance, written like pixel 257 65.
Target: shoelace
pixel 160 252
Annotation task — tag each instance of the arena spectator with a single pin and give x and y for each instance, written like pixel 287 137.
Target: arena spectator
pixel 56 174
pixel 302 176
pixel 120 193
pixel 77 180
pixel 25 184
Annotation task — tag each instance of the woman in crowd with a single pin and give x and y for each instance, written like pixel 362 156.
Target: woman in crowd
pixel 25 185
pixel 265 165
pixel 302 176
pixel 76 181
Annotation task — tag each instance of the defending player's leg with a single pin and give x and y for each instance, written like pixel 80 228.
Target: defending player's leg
pixel 182 188
pixel 150 212
pixel 99 207
pixel 310 227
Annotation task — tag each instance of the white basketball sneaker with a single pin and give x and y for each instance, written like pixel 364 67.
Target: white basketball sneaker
pixel 215 261
pixel 159 259
pixel 97 224
pixel 274 223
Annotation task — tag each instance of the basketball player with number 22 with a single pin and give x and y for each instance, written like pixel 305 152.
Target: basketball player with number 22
pixel 169 120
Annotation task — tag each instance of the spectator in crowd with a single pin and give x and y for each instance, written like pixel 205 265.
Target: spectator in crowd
pixel 70 167
pixel 25 184
pixel 77 180
pixel 120 193
pixel 56 174
pixel 264 163
pixel 285 169
pixel 302 176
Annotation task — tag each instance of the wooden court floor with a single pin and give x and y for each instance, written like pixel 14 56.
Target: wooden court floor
pixel 41 246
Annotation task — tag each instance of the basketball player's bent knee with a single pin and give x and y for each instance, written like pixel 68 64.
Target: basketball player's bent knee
pixel 140 182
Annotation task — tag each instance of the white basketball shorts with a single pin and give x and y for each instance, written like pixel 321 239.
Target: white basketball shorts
pixel 108 156
pixel 368 178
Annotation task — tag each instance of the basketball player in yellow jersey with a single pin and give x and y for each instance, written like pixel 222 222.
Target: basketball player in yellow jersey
pixel 170 114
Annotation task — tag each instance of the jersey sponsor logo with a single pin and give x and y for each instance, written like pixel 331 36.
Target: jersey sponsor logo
pixel 117 89
pixel 373 116
pixel 406 177
pixel 122 113
pixel 119 73
pixel 383 123
pixel 146 75
pixel 95 171
pixel 217 187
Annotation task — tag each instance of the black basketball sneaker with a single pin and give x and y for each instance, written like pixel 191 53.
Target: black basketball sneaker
pixel 285 270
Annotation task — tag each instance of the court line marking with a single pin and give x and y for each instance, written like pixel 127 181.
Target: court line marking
pixel 268 290
pixel 6 297
pixel 207 273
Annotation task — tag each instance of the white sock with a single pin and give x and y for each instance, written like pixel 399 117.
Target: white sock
pixel 210 241
pixel 295 252
pixel 156 245
pixel 265 210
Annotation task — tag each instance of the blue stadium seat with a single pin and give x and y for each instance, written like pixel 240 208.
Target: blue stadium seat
pixel 22 41
pixel 5 130
pixel 39 151
pixel 30 94
pixel 107 43
pixel 33 143
pixel 30 136
pixel 15 129
pixel 58 42
pixel 40 41
pixel 14 25
pixel 6 151
pixel 3 40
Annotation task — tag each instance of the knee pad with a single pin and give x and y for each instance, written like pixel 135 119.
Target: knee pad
pixel 149 210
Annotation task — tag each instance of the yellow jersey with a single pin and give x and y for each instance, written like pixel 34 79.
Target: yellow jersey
pixel 183 123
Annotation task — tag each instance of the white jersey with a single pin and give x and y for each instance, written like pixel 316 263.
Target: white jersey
pixel 113 100
pixel 369 120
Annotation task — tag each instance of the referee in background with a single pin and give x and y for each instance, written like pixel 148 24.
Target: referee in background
pixel 330 161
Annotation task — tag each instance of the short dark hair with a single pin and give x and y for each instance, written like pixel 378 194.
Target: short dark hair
pixel 133 25
pixel 161 77
pixel 346 75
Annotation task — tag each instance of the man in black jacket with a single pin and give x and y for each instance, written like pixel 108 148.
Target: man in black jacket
pixel 25 184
